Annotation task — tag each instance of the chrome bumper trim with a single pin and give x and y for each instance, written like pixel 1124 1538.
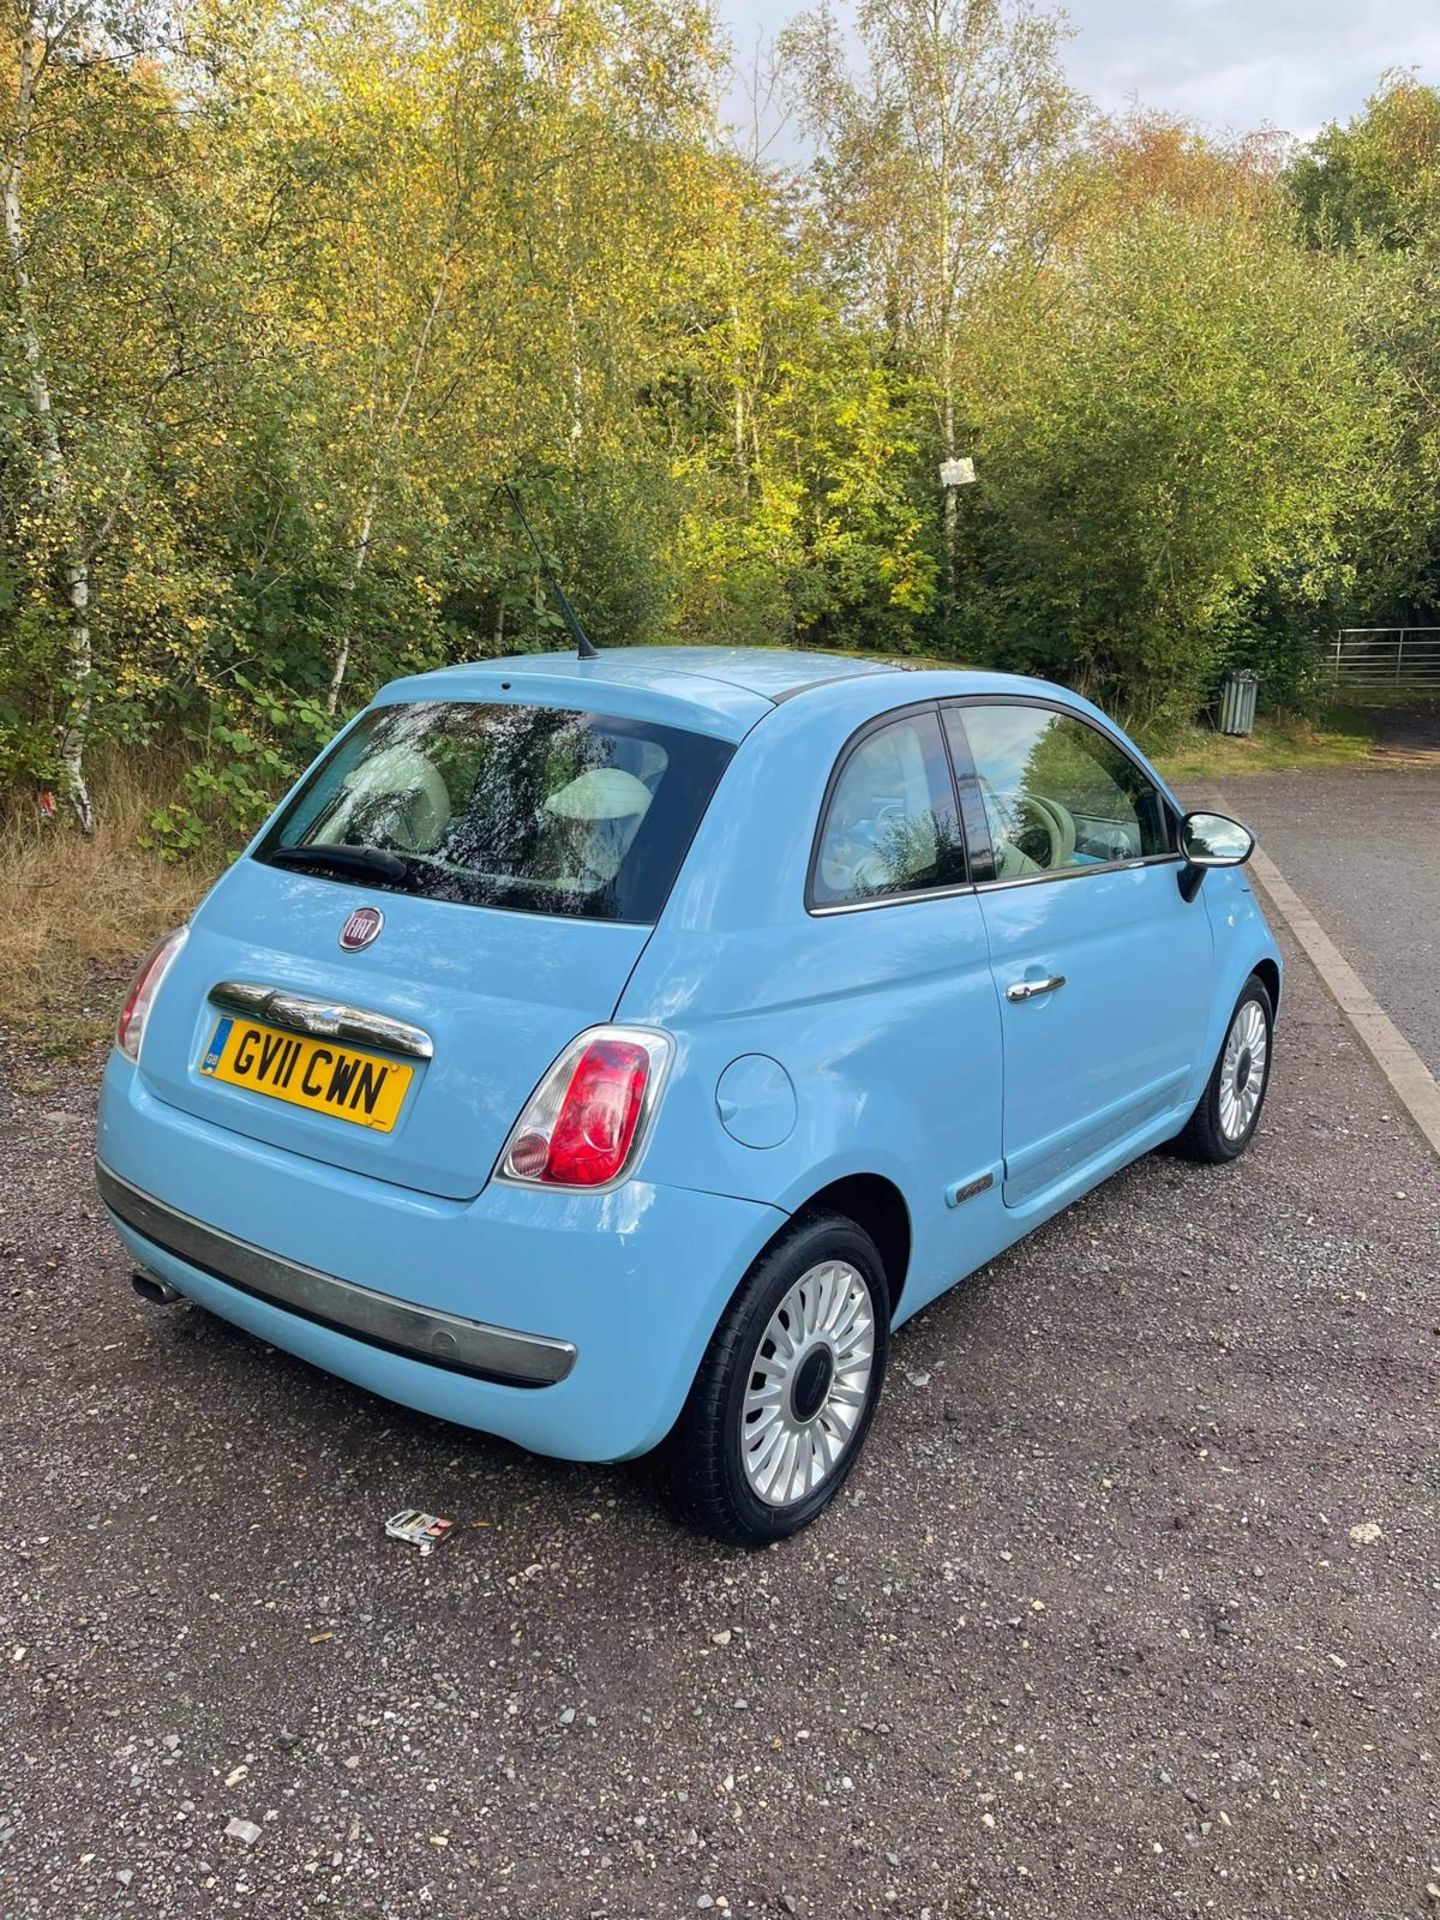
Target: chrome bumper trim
pixel 322 1019
pixel 419 1333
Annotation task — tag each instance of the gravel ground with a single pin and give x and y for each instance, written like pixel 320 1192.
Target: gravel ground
pixel 1131 1610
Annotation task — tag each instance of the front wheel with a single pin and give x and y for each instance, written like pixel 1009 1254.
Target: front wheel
pixel 785 1394
pixel 1223 1123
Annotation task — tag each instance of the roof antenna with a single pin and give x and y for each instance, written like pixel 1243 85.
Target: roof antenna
pixel 567 613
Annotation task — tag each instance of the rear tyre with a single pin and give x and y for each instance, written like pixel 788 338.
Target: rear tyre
pixel 786 1392
pixel 1224 1122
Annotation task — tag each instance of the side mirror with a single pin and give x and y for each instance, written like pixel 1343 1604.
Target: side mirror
pixel 1211 840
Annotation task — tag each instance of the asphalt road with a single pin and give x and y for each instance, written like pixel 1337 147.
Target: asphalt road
pixel 1362 847
pixel 1130 1611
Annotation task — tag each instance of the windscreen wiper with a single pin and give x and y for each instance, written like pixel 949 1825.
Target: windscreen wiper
pixel 337 857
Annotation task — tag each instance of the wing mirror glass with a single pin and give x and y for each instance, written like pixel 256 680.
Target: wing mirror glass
pixel 1212 840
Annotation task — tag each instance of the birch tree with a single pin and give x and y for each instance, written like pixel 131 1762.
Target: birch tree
pixel 383 248
pixel 39 35
pixel 936 168
pixel 111 256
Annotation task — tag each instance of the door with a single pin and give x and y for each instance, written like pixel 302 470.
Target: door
pixel 902 1031
pixel 1102 969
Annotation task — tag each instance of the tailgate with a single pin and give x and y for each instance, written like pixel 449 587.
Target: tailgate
pixel 498 994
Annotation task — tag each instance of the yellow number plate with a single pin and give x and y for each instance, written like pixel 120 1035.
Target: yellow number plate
pixel 319 1074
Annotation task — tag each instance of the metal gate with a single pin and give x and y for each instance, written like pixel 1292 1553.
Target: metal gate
pixel 1406 657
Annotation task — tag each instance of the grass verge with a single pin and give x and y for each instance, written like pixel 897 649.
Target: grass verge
pixel 1337 737
pixel 77 914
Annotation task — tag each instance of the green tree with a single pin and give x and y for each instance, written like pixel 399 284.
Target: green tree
pixel 937 174
pixel 796 449
pixel 1376 181
pixel 1367 196
pixel 1187 423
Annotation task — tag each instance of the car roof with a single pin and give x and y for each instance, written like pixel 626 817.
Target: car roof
pixel 773 672
pixel 718 690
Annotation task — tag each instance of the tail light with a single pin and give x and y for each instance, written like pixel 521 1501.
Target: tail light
pixel 585 1123
pixel 130 1027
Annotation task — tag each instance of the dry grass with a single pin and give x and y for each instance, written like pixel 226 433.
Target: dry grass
pixel 76 915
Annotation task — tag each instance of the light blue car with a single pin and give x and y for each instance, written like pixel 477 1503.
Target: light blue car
pixel 612 1053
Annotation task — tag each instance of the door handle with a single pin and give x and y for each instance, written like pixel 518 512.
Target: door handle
pixel 1032 989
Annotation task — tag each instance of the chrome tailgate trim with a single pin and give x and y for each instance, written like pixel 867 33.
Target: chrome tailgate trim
pixel 322 1019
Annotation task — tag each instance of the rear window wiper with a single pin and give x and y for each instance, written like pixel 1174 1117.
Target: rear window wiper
pixel 337 857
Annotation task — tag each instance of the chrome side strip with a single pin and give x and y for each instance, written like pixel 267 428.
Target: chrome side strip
pixel 1075 873
pixel 420 1333
pixel 323 1019
pixel 893 900
pixel 995 886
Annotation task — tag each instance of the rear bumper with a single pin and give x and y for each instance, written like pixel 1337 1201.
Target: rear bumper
pixel 446 1340
pixel 358 1276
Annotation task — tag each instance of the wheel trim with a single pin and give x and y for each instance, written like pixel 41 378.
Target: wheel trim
pixel 1242 1070
pixel 828 1310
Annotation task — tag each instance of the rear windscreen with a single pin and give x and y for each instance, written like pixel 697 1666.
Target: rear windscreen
pixel 538 809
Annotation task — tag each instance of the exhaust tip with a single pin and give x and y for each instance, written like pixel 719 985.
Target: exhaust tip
pixel 150 1287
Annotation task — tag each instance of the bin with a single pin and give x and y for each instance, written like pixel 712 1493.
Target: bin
pixel 1237 701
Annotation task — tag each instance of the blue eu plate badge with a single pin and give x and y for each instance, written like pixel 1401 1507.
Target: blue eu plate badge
pixel 217 1046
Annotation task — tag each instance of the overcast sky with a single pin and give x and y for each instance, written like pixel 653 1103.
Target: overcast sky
pixel 1233 64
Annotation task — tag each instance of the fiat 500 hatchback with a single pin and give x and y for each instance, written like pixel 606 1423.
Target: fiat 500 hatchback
pixel 608 1053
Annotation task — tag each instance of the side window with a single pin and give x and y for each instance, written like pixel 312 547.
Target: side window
pixel 1057 794
pixel 889 825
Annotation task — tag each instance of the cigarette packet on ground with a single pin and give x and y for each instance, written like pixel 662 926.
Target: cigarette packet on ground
pixel 422 1530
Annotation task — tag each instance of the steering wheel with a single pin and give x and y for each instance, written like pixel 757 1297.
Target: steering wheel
pixel 1046 834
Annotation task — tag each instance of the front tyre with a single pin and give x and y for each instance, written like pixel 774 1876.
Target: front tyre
pixel 1223 1124
pixel 785 1394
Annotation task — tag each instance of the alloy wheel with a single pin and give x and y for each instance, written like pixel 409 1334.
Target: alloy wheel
pixel 808 1384
pixel 1242 1070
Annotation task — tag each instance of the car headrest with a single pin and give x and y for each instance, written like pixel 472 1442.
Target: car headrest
pixel 603 793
